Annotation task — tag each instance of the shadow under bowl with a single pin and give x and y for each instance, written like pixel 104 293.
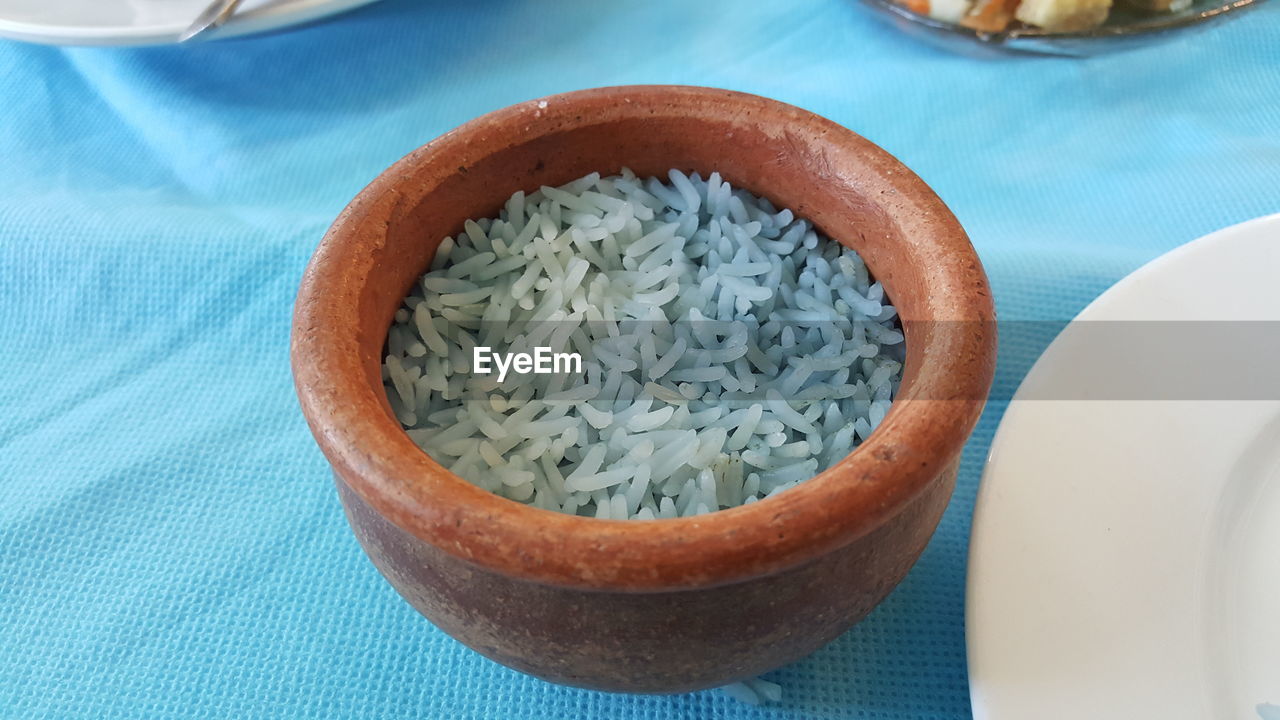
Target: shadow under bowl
pixel 665 605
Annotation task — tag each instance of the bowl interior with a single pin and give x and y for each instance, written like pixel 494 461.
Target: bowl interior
pixel 787 170
pixel 852 191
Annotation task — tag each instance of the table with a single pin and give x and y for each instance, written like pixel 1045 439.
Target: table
pixel 170 542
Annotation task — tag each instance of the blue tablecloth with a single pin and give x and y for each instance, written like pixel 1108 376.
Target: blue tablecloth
pixel 170 542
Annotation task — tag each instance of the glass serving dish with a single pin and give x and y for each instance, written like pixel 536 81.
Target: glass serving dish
pixel 1125 28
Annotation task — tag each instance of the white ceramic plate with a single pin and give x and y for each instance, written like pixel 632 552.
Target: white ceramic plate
pixel 148 22
pixel 1125 558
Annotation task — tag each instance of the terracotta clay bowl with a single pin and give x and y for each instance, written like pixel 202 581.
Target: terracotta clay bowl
pixel 663 605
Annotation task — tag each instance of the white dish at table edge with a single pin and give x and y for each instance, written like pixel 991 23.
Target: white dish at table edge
pixel 125 22
pixel 1125 554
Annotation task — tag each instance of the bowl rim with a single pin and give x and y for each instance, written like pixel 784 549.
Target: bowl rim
pixel 373 454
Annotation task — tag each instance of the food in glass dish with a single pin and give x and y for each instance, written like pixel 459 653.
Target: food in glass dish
pixel 1053 15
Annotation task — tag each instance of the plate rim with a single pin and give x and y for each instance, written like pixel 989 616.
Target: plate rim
pixel 262 19
pixel 981 710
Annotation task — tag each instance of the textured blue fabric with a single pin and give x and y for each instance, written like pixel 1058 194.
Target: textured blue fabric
pixel 170 542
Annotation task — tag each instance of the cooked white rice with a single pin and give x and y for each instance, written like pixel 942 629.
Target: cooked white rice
pixel 729 351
